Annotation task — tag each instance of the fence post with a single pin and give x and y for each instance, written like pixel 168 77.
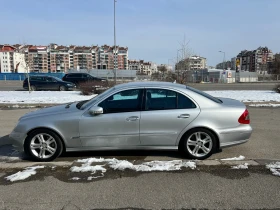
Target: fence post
pixel 5 77
pixel 19 77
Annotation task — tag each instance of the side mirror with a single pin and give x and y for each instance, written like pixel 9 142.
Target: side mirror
pixel 96 110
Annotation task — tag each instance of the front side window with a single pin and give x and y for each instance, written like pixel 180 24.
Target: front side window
pixel 161 99
pixel 124 101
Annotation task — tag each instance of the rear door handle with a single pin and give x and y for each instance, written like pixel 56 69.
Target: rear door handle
pixel 132 118
pixel 184 116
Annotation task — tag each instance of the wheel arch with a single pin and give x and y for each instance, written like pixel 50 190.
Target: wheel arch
pixel 198 127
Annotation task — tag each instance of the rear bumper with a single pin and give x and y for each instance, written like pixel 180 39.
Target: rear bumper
pixel 235 136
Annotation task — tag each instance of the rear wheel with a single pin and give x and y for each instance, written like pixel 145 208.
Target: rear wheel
pixel 43 145
pixel 199 144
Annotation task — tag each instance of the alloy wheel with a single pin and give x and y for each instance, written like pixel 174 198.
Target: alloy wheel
pixel 43 146
pixel 199 144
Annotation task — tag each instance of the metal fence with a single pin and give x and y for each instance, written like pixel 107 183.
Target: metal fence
pixel 22 76
pixel 109 73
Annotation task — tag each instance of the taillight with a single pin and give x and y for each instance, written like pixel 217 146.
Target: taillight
pixel 244 118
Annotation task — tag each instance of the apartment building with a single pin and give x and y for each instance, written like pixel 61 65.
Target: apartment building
pixel 11 60
pixel 257 60
pixel 192 63
pixel 142 67
pixel 37 58
pixel 110 57
pixel 56 58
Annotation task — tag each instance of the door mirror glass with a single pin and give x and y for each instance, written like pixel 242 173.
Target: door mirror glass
pixel 96 110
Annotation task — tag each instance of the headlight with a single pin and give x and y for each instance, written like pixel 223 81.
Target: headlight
pixel 69 85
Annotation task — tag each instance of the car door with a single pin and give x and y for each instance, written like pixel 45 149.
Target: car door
pixel 166 114
pixel 51 84
pixel 118 126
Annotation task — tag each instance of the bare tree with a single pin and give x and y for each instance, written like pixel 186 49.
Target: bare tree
pixel 183 61
pixel 25 61
pixel 162 70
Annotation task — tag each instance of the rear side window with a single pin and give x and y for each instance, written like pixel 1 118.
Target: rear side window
pixel 37 78
pixel 161 99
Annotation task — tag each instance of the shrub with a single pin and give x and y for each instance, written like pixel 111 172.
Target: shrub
pixel 277 88
pixel 94 87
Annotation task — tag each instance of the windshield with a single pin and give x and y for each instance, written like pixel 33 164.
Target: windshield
pixel 204 94
pixel 94 99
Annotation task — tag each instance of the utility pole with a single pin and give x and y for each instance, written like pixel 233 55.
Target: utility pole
pixel 223 59
pixel 115 60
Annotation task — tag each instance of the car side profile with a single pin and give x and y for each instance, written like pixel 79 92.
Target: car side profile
pixel 40 82
pixel 136 116
pixel 78 78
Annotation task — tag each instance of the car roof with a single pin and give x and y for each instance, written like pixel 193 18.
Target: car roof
pixel 77 73
pixel 151 84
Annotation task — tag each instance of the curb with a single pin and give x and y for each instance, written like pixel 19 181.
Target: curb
pixel 19 165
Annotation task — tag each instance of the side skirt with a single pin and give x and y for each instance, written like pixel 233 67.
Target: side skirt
pixel 75 149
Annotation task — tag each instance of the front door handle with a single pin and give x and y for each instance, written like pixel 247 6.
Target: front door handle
pixel 184 116
pixel 132 118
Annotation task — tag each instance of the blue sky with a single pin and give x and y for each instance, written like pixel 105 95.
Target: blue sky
pixel 151 29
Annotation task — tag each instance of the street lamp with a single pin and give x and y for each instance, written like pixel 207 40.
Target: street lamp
pixel 223 59
pixel 115 70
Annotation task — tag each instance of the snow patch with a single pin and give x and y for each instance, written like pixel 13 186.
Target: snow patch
pixel 247 95
pixel 235 158
pixel 265 105
pixel 274 168
pixel 21 175
pixel 75 178
pixel 60 97
pixel 173 165
pixel 241 166
pixel 41 97
pixel 95 177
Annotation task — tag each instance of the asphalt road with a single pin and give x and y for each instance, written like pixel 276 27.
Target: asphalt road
pixel 207 188
pixel 263 144
pixel 17 85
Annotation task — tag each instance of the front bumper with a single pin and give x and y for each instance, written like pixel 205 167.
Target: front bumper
pixel 17 139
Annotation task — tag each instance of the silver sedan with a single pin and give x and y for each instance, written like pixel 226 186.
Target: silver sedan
pixel 136 116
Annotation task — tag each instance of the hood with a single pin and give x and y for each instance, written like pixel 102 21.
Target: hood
pixel 54 110
pixel 231 102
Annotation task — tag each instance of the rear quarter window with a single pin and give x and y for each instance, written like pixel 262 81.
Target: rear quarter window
pixel 206 95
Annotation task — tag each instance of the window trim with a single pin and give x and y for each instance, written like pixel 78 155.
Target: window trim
pixel 141 95
pixel 177 92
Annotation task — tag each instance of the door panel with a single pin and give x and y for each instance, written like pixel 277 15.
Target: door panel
pixel 119 123
pixel 167 113
pixel 162 127
pixel 110 130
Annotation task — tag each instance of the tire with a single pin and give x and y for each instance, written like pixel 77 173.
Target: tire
pixel 198 144
pixel 33 88
pixel 47 145
pixel 62 88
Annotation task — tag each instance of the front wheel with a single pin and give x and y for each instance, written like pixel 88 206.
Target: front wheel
pixel 199 144
pixel 43 145
pixel 33 88
pixel 62 88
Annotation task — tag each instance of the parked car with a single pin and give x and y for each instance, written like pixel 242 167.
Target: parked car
pixel 47 83
pixel 78 78
pixel 137 115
